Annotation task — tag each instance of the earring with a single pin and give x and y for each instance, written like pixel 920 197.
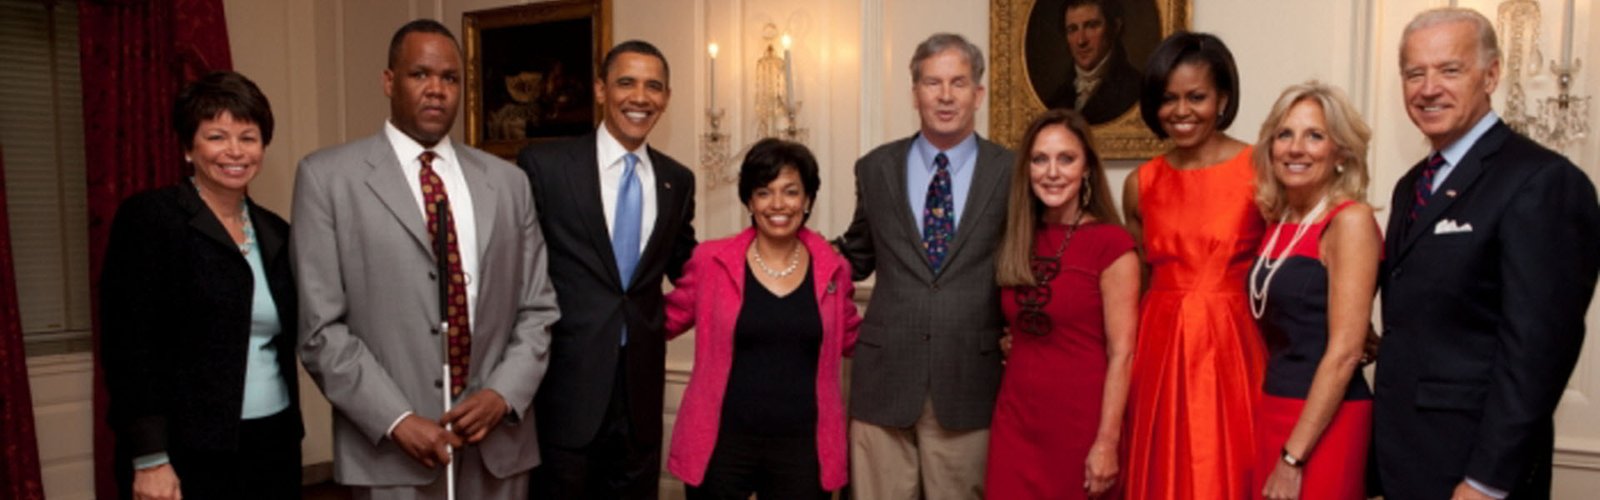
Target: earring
pixel 1083 198
pixel 1338 169
pixel 187 159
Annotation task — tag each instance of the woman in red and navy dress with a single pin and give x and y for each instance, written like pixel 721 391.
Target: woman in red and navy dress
pixel 1311 292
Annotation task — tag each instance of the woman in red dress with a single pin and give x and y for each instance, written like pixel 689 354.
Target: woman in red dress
pixel 1070 293
pixel 1311 292
pixel 1198 360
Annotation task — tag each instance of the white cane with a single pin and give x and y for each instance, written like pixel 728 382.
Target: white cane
pixel 441 251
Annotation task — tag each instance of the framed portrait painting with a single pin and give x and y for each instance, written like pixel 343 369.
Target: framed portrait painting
pixel 530 72
pixel 1086 55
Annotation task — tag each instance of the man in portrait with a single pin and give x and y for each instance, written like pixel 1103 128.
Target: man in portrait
pixel 1100 83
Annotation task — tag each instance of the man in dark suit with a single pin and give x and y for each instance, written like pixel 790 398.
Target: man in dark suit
pixel 617 214
pixel 930 210
pixel 1101 84
pixel 1492 252
pixel 367 218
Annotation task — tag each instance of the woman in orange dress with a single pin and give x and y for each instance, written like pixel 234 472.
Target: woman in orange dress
pixel 1198 359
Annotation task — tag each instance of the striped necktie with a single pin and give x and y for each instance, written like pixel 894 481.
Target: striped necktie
pixel 1424 187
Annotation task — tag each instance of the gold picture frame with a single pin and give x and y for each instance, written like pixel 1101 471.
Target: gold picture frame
pixel 1017 80
pixel 530 72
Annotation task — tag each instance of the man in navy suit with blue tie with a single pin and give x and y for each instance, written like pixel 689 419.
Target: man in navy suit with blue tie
pixel 616 214
pixel 1492 251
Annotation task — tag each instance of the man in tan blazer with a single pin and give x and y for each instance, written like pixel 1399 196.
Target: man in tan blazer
pixel 369 293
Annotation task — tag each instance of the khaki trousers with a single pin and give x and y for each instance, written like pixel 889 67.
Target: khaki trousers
pixel 924 461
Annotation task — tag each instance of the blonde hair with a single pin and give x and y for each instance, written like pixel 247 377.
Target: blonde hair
pixel 1344 125
pixel 1013 262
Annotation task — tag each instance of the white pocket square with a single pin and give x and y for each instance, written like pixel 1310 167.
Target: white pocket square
pixel 1449 226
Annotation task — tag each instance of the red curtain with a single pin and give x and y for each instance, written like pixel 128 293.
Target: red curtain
pixel 136 54
pixel 19 471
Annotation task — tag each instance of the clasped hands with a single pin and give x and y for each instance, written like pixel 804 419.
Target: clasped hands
pixel 470 421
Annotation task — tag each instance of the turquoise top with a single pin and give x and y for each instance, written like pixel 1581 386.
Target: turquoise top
pixel 265 393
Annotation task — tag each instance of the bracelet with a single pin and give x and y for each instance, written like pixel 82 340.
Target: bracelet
pixel 1291 460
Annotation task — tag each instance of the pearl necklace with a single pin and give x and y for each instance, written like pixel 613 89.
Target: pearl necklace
pixel 794 262
pixel 1258 293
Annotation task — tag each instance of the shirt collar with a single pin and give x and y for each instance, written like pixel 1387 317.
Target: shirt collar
pixel 610 151
pixel 959 155
pixel 1457 150
pixel 407 149
pixel 1093 74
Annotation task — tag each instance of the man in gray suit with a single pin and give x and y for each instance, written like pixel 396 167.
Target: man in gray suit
pixel 365 224
pixel 930 211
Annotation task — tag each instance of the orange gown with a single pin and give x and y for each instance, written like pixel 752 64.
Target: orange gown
pixel 1198 359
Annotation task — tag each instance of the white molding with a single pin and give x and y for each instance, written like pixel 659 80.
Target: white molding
pixel 1577 453
pixel 55 364
pixel 872 74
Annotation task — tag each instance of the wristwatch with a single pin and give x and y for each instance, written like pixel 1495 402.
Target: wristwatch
pixel 1291 460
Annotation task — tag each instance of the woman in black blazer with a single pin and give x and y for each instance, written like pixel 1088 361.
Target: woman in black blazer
pixel 198 317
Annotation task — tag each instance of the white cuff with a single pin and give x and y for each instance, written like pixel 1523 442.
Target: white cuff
pixel 1486 489
pixel 390 432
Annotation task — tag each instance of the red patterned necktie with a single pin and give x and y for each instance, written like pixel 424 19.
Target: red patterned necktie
pixel 1424 187
pixel 460 334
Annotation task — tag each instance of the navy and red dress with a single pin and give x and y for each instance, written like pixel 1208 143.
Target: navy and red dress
pixel 1295 325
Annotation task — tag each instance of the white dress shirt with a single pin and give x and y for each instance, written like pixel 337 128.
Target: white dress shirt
pixel 609 153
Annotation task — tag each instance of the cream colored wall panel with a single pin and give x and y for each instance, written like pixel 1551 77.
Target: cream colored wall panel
pixel 68 481
pixel 62 414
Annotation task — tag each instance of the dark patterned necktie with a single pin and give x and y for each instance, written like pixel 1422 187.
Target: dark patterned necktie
pixel 1424 188
pixel 460 334
pixel 938 214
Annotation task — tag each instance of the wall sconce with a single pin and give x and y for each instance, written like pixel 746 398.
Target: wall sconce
pixel 776 106
pixel 1558 120
pixel 714 144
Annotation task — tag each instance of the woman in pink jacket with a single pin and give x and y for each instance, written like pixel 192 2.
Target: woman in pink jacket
pixel 774 315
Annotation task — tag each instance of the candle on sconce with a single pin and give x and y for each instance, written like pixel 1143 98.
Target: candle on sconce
pixel 788 72
pixel 711 92
pixel 1566 37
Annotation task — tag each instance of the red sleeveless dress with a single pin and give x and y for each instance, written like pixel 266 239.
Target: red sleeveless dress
pixel 1198 360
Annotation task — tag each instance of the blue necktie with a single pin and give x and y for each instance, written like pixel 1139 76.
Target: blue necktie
pixel 938 214
pixel 625 229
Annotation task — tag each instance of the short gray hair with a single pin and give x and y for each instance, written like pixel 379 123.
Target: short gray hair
pixel 1488 43
pixel 941 42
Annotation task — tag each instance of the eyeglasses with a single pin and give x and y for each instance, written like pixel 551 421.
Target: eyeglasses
pixel 1031 299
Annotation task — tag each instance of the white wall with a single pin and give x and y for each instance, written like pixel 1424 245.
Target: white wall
pixel 320 62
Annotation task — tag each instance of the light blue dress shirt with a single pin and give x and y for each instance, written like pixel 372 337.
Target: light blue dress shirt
pixel 919 171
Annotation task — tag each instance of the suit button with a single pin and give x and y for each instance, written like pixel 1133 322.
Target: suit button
pixel 432 276
pixel 439 384
pixel 926 337
pixel 434 330
pixel 1395 274
pixel 935 287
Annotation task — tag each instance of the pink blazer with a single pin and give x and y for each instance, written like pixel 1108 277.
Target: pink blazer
pixel 708 298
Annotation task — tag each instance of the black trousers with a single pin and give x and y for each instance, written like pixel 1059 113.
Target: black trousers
pixel 613 466
pixel 773 468
pixel 266 465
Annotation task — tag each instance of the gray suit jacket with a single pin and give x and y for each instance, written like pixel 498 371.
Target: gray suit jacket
pixel 369 313
pixel 926 335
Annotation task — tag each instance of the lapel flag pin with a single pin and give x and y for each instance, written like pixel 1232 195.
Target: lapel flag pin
pixel 1450 193
pixel 668 185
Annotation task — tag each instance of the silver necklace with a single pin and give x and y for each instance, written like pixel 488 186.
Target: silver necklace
pixel 794 262
pixel 1258 292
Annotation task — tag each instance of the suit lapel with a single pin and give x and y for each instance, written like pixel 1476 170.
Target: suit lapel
pixel 1459 181
pixel 268 239
pixel 668 205
pixel 200 217
pixel 387 180
pixel 985 181
pixel 485 197
pixel 900 201
pixel 583 179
